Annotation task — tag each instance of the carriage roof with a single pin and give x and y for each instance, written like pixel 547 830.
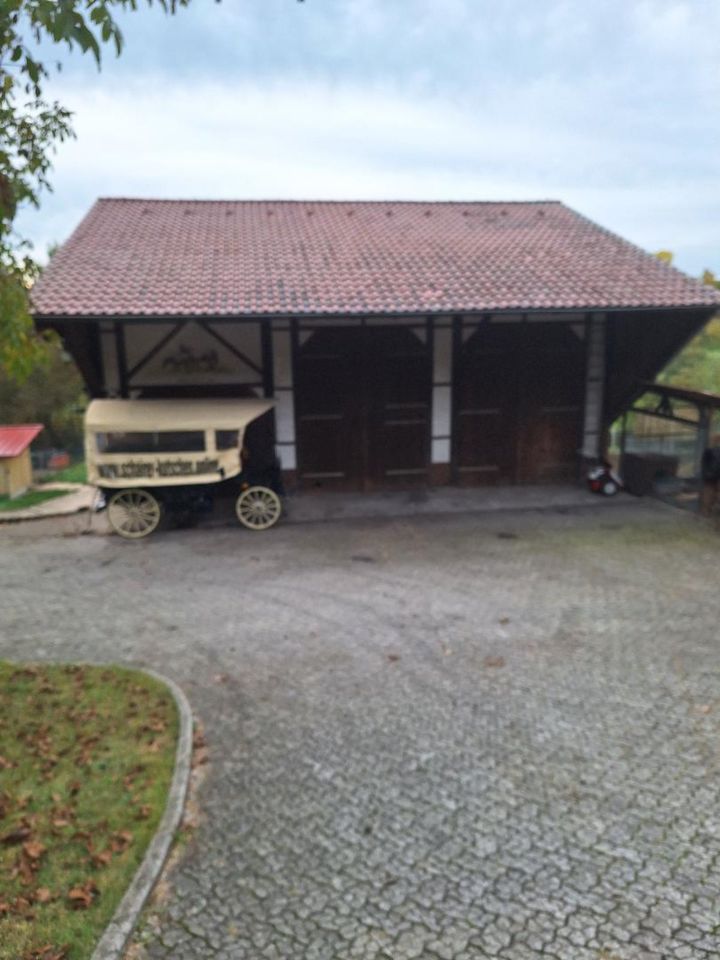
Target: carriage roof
pixel 158 415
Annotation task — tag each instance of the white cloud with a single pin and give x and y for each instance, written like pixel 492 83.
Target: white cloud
pixel 593 104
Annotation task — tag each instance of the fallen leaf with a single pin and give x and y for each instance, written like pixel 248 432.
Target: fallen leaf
pixel 393 657
pixel 26 869
pixel 494 662
pixel 5 764
pixel 82 897
pixel 19 835
pixel 200 757
pixel 504 620
pixel 48 953
pixel 33 849
pixel 43 895
pixel 22 907
pixel 120 841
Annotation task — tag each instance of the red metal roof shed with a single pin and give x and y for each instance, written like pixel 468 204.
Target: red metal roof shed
pixel 16 438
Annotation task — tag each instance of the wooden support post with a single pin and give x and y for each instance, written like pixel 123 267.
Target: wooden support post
pixel 709 497
pixel 703 438
pixel 121 358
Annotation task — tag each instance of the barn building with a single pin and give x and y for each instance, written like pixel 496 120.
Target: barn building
pixel 403 343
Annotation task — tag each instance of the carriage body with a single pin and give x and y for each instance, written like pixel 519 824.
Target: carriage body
pixel 151 457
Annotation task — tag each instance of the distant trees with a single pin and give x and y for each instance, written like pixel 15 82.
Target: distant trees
pixel 52 394
pixel 698 365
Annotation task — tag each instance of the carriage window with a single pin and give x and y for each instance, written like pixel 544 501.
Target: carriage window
pixel 227 439
pixel 167 441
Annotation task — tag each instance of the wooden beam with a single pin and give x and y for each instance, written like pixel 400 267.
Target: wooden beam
pixel 162 342
pixel 121 353
pixel 268 372
pixel 229 346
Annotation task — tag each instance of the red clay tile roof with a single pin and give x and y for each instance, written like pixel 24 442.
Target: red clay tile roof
pixel 14 439
pixel 231 258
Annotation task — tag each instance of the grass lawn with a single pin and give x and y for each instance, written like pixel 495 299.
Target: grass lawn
pixel 30 499
pixel 77 473
pixel 86 759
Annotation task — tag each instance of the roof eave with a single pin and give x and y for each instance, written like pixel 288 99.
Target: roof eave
pixel 47 318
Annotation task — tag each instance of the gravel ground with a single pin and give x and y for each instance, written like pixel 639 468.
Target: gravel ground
pixel 467 736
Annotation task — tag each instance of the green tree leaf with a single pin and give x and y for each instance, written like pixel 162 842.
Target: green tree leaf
pixel 31 129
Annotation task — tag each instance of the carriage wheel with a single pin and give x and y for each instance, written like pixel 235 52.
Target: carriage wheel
pixel 258 508
pixel 134 513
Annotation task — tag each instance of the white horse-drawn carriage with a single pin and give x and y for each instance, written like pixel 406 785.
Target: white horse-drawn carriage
pixel 152 457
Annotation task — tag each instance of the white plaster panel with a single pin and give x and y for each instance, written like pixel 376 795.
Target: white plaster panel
pixel 284 416
pixel 245 337
pixel 441 411
pixel 194 356
pixel 287 456
pixel 141 338
pixel 441 451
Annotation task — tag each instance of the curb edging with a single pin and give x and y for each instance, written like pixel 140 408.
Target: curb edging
pixel 114 940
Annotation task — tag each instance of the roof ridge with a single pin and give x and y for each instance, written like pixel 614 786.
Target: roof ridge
pixel 344 203
pixel 19 426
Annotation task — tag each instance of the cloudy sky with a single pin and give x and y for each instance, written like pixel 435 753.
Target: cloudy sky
pixel 612 107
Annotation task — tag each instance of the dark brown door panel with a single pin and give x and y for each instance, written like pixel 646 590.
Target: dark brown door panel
pixel 362 397
pixel 518 403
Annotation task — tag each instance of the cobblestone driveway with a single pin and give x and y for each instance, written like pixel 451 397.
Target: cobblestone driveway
pixel 457 737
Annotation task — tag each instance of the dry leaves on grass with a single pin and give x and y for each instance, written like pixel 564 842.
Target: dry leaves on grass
pixel 48 952
pixel 17 835
pixel 83 896
pixel 59 845
pixel 33 849
pixel 120 841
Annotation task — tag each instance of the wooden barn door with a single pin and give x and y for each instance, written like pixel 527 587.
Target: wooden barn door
pixel 552 403
pixel 518 403
pixel 487 386
pixel 362 399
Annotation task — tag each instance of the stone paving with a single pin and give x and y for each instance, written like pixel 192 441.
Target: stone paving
pixel 481 736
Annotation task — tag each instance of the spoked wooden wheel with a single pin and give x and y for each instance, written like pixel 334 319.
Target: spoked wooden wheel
pixel 258 508
pixel 134 513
